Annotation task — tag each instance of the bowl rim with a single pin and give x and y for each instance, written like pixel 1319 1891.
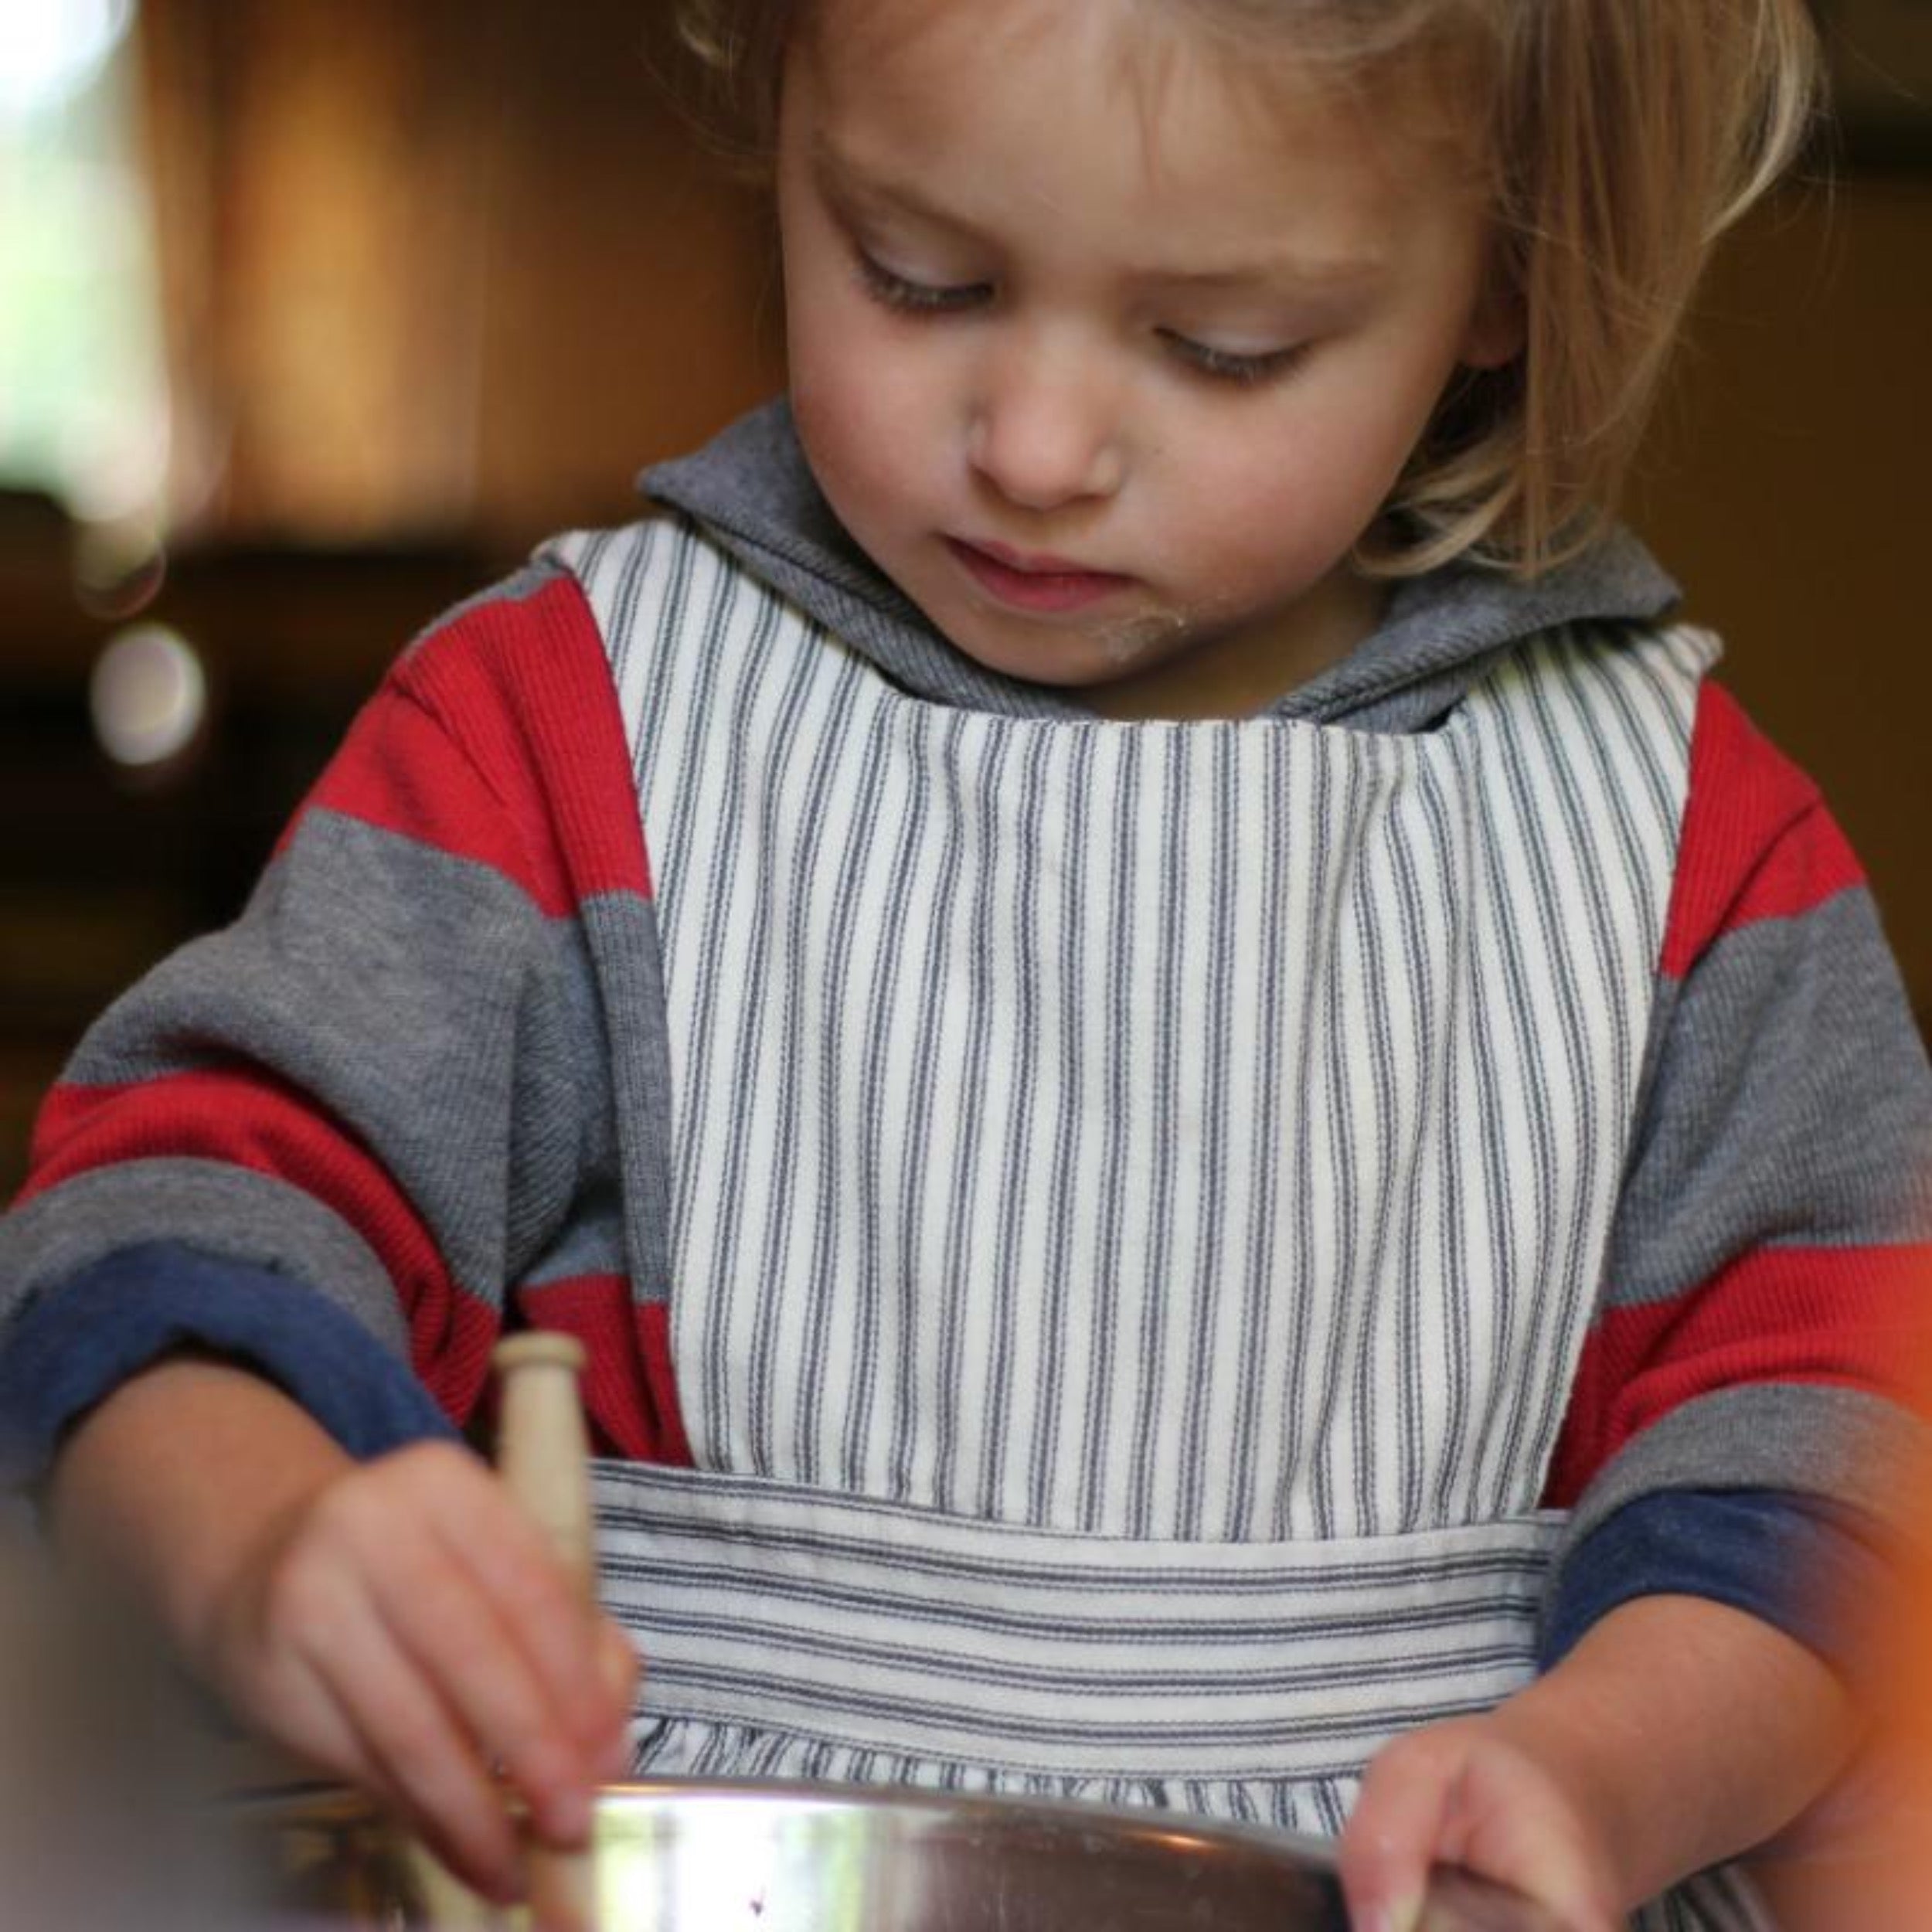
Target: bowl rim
pixel 1457 1899
pixel 325 1800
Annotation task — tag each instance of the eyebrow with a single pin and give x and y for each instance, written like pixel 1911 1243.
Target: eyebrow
pixel 1341 273
pixel 839 175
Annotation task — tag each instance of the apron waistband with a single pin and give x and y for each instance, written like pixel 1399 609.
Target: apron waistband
pixel 885 1627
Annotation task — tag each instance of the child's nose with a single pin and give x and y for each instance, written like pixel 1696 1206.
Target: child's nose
pixel 1043 435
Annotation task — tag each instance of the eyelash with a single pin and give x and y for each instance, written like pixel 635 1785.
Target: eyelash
pixel 917 298
pixel 1226 365
pixel 905 297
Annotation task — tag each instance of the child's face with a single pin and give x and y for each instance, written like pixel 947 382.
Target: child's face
pixel 1105 359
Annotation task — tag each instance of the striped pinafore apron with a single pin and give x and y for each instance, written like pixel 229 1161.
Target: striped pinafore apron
pixel 1137 1194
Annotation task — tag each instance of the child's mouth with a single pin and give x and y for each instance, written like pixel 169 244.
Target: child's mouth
pixel 1036 584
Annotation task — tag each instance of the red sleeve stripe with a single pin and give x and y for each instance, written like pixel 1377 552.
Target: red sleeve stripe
pixel 1757 842
pixel 498 739
pixel 629 1396
pixel 250 1121
pixel 526 686
pixel 399 770
pixel 1854 1316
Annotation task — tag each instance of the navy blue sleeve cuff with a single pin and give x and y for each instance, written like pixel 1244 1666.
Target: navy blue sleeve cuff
pixel 77 1343
pixel 1797 1561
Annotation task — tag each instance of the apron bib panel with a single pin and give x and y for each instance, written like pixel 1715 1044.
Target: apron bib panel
pixel 1201 1130
pixel 1139 1193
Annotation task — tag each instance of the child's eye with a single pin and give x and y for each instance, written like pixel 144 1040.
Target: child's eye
pixel 900 292
pixel 1231 365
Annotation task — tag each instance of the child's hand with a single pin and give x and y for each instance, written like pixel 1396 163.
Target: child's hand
pixel 1472 1792
pixel 405 1625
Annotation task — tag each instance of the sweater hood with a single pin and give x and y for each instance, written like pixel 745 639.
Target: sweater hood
pixel 753 492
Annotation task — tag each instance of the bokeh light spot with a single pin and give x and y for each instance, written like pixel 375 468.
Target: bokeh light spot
pixel 148 696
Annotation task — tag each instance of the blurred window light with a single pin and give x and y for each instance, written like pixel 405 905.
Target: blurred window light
pixel 51 49
pixel 83 398
pixel 147 696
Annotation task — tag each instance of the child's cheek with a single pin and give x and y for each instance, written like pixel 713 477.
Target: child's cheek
pixel 860 459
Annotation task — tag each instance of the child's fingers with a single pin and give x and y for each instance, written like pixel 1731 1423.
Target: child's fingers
pixel 1392 1837
pixel 320 1729
pixel 514 1567
pixel 557 1712
pixel 453 1638
pixel 425 1759
pixel 1458 1793
pixel 376 1638
pixel 347 1687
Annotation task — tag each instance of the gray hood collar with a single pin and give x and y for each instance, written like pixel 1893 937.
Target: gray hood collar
pixel 751 490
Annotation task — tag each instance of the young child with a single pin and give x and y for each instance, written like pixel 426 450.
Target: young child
pixel 1213 1122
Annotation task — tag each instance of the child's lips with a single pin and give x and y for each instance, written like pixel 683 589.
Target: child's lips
pixel 1027 581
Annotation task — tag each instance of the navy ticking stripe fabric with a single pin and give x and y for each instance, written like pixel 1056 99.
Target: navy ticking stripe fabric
pixel 79 1343
pixel 1188 1130
pixel 1138 1194
pixel 879 1626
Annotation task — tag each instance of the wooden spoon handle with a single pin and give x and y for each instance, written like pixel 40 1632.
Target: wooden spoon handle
pixel 543 1453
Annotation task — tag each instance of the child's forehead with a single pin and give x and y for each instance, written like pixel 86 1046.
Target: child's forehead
pixel 1147 57
pixel 1083 100
pixel 1133 41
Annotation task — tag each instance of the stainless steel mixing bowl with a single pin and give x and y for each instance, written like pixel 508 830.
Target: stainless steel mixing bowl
pixel 702 1857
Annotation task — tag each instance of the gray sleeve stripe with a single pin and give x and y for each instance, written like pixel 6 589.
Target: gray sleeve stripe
pixel 628 1087
pixel 1838 1444
pixel 338 981
pixel 343 908
pixel 1790 1104
pixel 592 1244
pixel 231 1212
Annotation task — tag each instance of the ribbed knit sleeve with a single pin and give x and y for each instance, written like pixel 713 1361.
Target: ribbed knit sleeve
pixel 1768 1292
pixel 386 1092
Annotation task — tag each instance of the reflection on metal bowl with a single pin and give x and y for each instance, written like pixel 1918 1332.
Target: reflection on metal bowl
pixel 701 1857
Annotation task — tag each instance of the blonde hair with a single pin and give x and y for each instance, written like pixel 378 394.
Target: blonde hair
pixel 1621 138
